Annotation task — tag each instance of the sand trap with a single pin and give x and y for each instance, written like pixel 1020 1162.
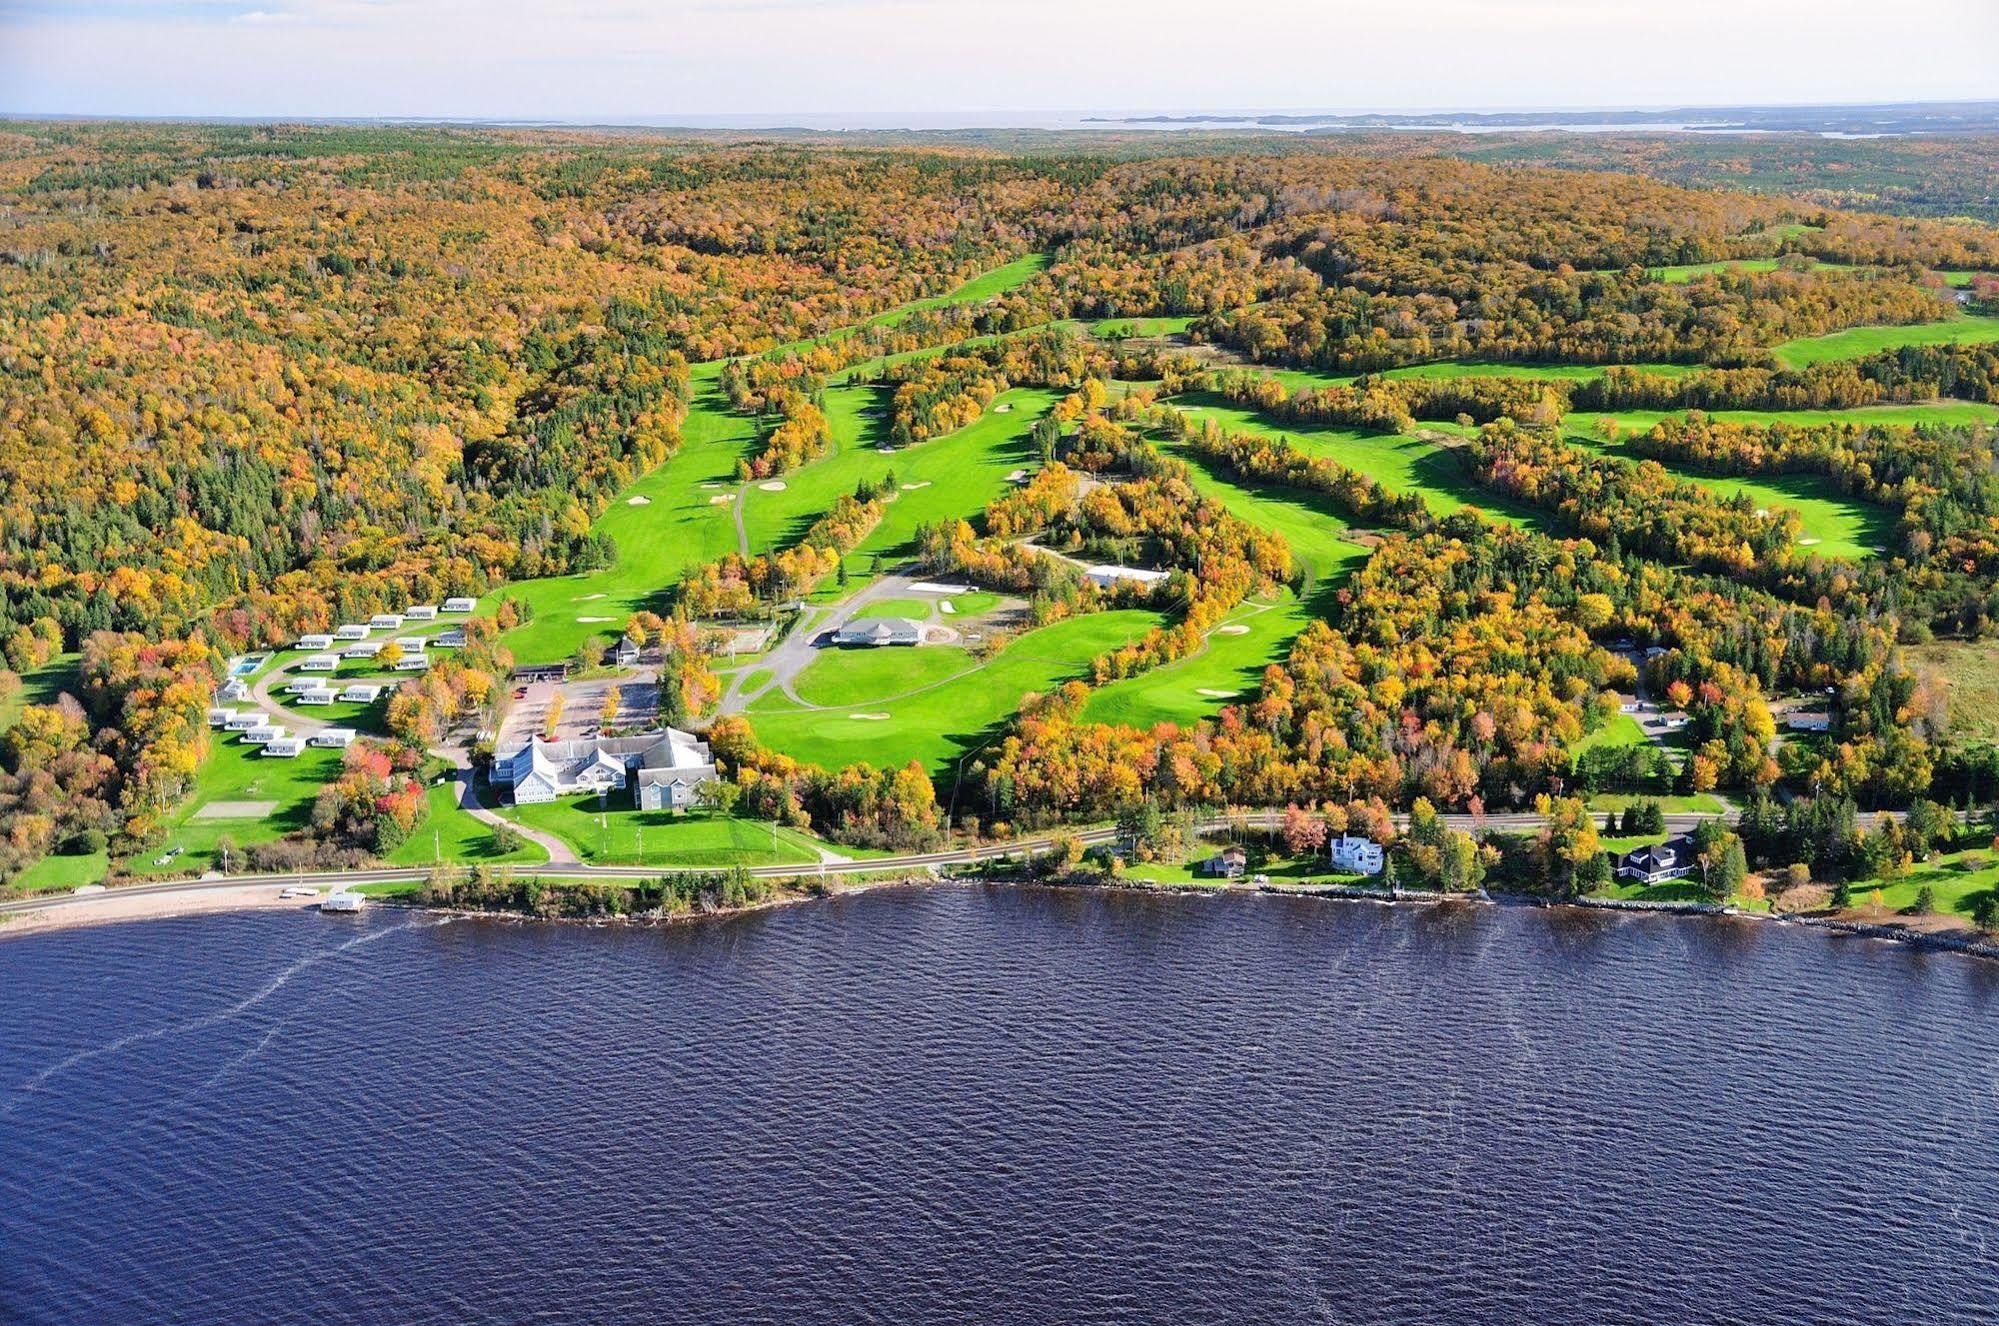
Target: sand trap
pixel 1806 543
pixel 723 500
pixel 946 608
pixel 640 500
pixel 586 598
pixel 235 810
pixel 937 587
pixel 1233 628
pixel 869 718
pixel 1214 694
pixel 772 485
pixel 1003 409
pixel 595 619
pixel 912 487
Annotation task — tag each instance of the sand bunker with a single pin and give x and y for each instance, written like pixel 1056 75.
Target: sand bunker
pixel 586 598
pixel 869 718
pixel 1806 543
pixel 640 500
pixel 912 487
pixel 723 500
pixel 594 619
pixel 1214 694
pixel 946 608
pixel 235 810
pixel 1233 628
pixel 772 485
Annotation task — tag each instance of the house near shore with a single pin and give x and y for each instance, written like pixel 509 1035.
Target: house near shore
pixel 1229 863
pixel 335 738
pixel 1356 855
pixel 1110 577
pixel 663 769
pixel 460 605
pixel 873 632
pixel 1675 858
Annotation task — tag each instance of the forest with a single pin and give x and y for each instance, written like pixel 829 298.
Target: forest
pixel 1512 437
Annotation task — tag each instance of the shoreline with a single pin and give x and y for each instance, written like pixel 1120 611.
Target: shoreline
pixel 110 909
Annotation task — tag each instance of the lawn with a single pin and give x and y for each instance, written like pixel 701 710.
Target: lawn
pixel 1228 670
pixel 1281 869
pixel 1956 889
pixel 236 772
pixel 1696 803
pixel 970 604
pixel 617 834
pixel 39 686
pixel 1112 329
pixel 1858 341
pixel 1621 730
pixel 951 716
pixel 1971 667
pixel 449 834
pixel 60 874
pixel 843 678
pixel 917 609
pixel 1398 463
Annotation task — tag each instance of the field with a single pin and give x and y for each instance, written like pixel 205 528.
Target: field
pixel 1229 669
pixel 1956 881
pixel 939 718
pixel 1971 667
pixel 1858 341
pixel 1117 329
pixel 40 686
pixel 619 834
pixel 1622 730
pixel 61 873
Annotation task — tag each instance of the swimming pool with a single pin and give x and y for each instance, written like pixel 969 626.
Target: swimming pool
pixel 243 667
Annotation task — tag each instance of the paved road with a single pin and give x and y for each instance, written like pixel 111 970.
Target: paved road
pixel 911 863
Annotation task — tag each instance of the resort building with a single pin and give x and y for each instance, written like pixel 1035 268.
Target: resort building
pixel 263 734
pixel 663 768
pixel 407 642
pixel 242 722
pixel 363 649
pixel 284 748
pixel 1108 577
pixel 315 642
pixel 421 612
pixel 220 717
pixel 1356 855
pixel 871 632
pixel 386 621
pixel 416 662
pixel 451 639
pixel 319 663
pixel 459 605
pixel 234 691
pixel 317 695
pixel 627 653
pixel 362 692
pixel 338 738
pixel 351 631
pixel 1672 859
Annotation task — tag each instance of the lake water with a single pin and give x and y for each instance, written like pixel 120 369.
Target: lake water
pixel 996 1106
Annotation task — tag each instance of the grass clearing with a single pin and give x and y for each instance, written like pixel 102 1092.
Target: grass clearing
pixel 1971 668
pixel 1956 881
pixel 1855 342
pixel 954 715
pixel 40 686
pixel 1117 329
pixel 61 873
pixel 1621 731
pixel 614 833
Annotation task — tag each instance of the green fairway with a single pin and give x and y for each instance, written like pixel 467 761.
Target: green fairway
pixel 1113 329
pixel 842 678
pixel 947 477
pixel 952 715
pixel 1858 341
pixel 1299 379
pixel 618 834
pixel 1228 671
pixel 1398 463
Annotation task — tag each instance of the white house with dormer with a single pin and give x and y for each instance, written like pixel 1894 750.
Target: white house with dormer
pixel 664 769
pixel 1356 855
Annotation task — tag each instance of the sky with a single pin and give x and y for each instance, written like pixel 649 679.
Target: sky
pixel 659 60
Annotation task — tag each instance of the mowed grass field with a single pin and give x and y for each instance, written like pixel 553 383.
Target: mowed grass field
pixel 930 710
pixel 1963 329
pixel 619 834
pixel 1228 671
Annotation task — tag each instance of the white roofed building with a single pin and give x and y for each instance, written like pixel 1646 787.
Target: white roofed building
pixel 868 632
pixel 1108 577
pixel 460 605
pixel 663 769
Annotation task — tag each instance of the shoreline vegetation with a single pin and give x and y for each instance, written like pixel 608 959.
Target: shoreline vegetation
pixel 502 894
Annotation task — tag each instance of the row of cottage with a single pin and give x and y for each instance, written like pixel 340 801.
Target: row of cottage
pixel 255 729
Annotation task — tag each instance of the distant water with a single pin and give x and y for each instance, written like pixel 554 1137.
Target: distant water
pixel 996 1106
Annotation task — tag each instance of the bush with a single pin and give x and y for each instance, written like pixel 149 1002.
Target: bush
pixel 85 842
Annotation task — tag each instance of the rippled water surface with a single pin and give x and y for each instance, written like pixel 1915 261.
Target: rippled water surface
pixel 996 1106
